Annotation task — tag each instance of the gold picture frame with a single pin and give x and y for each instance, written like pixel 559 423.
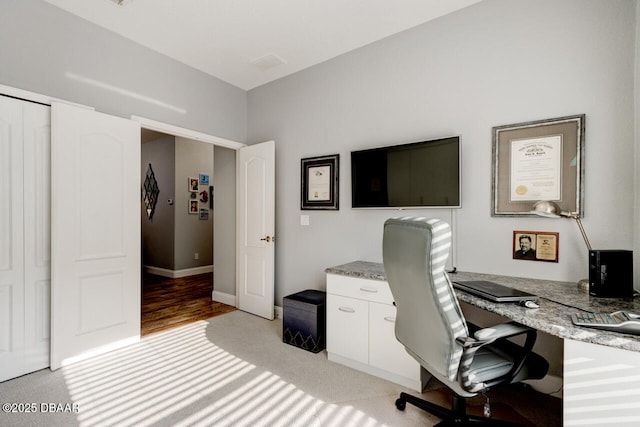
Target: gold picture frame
pixel 539 160
pixel 535 245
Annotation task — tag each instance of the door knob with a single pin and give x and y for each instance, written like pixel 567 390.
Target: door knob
pixel 267 239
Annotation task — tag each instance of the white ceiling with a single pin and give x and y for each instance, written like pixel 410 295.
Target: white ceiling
pixel 224 38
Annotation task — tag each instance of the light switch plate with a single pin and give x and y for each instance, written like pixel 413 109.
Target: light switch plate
pixel 304 219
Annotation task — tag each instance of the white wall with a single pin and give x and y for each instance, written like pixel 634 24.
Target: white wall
pixel 497 62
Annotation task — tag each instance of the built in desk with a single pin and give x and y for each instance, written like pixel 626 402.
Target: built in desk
pixel 601 369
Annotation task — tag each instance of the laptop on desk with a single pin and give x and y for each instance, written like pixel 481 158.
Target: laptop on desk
pixel 493 291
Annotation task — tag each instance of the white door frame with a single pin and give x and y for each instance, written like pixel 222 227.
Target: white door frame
pixel 145 123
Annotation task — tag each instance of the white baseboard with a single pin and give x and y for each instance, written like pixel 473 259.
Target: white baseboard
pixel 277 312
pixel 224 298
pixel 174 274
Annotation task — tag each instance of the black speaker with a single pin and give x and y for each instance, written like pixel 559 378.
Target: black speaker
pixel 611 273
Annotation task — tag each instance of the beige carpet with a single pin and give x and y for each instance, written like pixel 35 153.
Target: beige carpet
pixel 231 370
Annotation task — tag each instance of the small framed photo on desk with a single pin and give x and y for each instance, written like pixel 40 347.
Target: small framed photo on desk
pixel 535 245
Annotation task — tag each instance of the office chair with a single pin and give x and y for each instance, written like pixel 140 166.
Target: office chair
pixel 430 324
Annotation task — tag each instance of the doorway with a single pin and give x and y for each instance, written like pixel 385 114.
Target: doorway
pixel 177 232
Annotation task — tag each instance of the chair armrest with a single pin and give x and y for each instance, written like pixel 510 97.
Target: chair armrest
pixel 503 330
pixel 486 336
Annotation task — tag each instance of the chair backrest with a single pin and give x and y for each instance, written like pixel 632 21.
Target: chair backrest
pixel 428 319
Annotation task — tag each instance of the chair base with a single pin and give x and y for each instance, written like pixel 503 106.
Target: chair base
pixel 456 416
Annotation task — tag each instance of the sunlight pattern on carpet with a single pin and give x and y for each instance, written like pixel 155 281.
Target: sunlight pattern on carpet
pixel 180 378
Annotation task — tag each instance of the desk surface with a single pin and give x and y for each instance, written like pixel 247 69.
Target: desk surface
pixel 558 300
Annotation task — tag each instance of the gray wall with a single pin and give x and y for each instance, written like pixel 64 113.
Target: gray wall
pixel 193 235
pixel 224 220
pixel 494 63
pixel 497 62
pixel 49 51
pixel 158 237
pixel 46 50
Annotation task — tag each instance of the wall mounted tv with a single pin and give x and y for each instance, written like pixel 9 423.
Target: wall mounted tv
pixel 419 174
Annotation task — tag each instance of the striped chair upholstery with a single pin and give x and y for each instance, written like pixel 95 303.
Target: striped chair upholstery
pixel 432 328
pixel 429 251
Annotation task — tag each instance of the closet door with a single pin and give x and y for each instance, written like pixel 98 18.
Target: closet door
pixel 95 292
pixel 37 234
pixel 24 237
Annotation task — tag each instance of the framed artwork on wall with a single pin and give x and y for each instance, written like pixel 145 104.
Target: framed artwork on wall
pixel 535 245
pixel 539 160
pixel 193 184
pixel 319 182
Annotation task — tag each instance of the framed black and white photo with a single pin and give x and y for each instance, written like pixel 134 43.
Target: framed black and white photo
pixel 536 245
pixel 539 160
pixel 319 182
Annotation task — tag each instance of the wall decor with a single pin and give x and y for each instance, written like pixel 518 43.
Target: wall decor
pixel 150 192
pixel 535 245
pixel 204 179
pixel 193 184
pixel 204 196
pixel 539 160
pixel 319 183
pixel 193 206
pixel 204 213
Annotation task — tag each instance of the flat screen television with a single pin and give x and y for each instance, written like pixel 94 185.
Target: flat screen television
pixel 419 174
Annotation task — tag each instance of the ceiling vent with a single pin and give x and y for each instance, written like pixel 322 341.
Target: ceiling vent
pixel 268 61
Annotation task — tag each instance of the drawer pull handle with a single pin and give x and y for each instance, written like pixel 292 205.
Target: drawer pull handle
pixel 347 309
pixel 371 290
pixel 391 319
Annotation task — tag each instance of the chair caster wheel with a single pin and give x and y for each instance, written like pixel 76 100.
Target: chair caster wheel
pixel 401 404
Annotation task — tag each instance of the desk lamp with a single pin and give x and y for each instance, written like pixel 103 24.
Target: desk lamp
pixel 551 210
pixel 610 271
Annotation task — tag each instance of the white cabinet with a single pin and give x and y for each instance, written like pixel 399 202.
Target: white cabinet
pixel 360 330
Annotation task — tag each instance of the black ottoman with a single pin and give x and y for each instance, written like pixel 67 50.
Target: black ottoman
pixel 304 320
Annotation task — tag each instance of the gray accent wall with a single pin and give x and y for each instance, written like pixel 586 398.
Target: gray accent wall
pixel 494 63
pixel 224 220
pixel 193 235
pixel 158 236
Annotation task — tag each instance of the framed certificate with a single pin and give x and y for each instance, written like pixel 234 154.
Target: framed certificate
pixel 541 160
pixel 319 182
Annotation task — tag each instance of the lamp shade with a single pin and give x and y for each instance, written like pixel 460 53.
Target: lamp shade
pixel 549 210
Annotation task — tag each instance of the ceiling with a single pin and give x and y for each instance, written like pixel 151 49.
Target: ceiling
pixel 248 43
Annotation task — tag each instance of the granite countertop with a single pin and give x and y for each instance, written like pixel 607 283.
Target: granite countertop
pixel 558 300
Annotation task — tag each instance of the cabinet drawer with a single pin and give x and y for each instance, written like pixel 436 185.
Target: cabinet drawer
pixel 348 327
pixel 364 289
pixel 385 351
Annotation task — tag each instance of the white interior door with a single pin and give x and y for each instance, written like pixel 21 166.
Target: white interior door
pixel 256 228
pixel 24 237
pixel 95 289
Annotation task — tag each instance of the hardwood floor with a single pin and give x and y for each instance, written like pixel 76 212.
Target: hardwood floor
pixel 168 303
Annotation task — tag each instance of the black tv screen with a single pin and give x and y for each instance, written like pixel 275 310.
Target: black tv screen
pixel 419 174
